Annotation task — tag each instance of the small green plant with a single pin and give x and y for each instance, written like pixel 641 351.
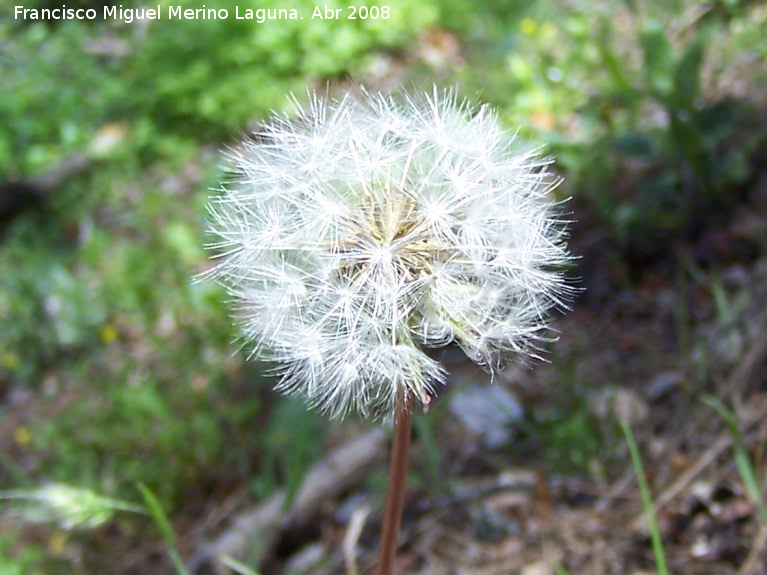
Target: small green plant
pixel 688 146
pixel 569 436
pixel 625 96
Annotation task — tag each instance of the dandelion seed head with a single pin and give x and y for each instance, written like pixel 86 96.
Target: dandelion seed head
pixel 357 232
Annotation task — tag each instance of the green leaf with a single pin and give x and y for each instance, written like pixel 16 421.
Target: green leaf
pixel 658 60
pixel 687 75
pixel 636 145
pixel 614 66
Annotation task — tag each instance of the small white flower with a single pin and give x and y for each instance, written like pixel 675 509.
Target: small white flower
pixel 367 229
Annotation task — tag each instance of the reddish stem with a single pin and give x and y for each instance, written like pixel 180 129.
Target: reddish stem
pixel 395 494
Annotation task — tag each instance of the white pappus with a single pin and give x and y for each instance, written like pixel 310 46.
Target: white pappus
pixel 360 231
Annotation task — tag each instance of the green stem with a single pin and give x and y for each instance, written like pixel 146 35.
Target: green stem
pixel 395 494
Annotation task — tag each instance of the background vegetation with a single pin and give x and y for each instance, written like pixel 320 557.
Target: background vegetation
pixel 116 369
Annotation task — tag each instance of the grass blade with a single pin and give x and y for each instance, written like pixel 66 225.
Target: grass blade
pixel 163 524
pixel 238 567
pixel 742 459
pixel 652 520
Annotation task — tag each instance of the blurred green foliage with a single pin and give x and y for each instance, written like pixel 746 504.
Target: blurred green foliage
pixel 131 366
pixel 635 101
pixel 202 79
pixel 236 70
pixel 24 561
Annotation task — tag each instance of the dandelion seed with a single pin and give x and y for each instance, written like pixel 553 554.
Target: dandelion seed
pixel 366 230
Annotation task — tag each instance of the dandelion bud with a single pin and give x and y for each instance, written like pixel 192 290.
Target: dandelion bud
pixel 365 230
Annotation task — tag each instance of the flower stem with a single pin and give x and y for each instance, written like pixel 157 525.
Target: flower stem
pixel 395 494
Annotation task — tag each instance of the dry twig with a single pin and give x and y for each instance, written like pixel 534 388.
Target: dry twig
pixel 263 524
